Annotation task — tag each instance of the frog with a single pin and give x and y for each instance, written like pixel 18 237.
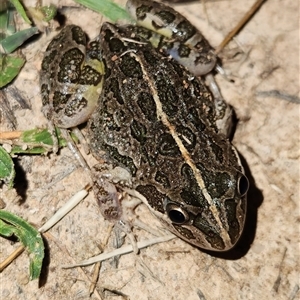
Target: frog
pixel 157 121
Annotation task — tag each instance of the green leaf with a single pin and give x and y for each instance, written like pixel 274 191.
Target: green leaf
pixel 20 10
pixel 35 142
pixel 12 42
pixel 11 224
pixel 37 136
pixel 38 141
pixel 3 22
pixel 6 230
pixel 7 171
pixel 7 22
pixel 10 66
pixel 28 150
pixel 107 8
pixel 42 137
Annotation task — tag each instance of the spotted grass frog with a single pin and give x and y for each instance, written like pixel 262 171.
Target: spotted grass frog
pixel 159 122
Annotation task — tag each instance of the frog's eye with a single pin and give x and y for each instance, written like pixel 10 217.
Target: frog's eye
pixel 176 214
pixel 243 185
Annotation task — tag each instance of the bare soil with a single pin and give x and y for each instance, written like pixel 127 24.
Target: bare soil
pixel 263 61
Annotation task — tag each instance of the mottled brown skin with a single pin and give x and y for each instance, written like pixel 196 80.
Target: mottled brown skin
pixel 70 80
pixel 154 119
pixel 176 35
pixel 158 121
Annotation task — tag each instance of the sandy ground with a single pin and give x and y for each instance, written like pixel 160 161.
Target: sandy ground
pixel 264 62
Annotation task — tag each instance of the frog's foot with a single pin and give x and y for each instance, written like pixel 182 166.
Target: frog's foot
pixel 105 183
pixel 132 200
pixel 117 201
pixel 129 220
pixel 223 110
pixel 126 228
pixel 222 72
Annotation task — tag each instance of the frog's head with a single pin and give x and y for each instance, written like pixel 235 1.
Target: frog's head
pixel 211 218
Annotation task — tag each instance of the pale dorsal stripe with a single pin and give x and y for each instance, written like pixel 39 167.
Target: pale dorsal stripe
pixel 164 118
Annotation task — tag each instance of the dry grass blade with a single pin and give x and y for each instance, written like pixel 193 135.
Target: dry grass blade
pixel 239 26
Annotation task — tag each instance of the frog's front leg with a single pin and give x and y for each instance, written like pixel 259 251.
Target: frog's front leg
pixel 115 206
pixel 106 193
pixel 107 185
